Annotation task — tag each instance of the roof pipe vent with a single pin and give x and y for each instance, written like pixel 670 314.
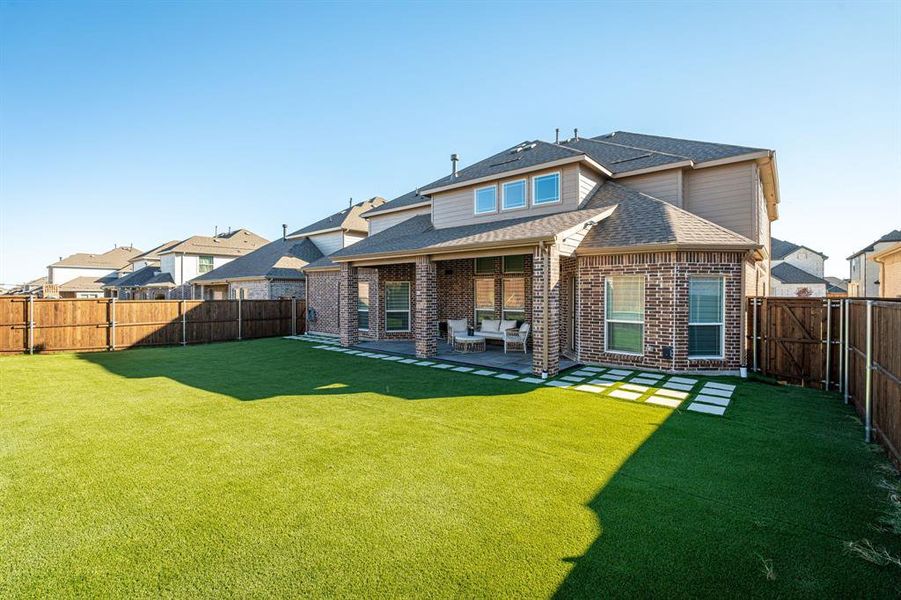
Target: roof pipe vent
pixel 284 231
pixel 350 202
pixel 216 231
pixel 557 136
pixel 576 134
pixel 454 160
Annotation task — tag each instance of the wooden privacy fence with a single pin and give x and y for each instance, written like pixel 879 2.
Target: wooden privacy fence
pixel 38 325
pixel 849 345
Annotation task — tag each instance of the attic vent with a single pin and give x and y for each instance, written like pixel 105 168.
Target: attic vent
pixel 523 147
pixel 622 160
pixel 505 162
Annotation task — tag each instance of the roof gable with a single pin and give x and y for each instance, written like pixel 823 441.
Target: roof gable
pixel 891 236
pixel 789 273
pixel 281 259
pixel 779 249
pixel 117 258
pixel 348 219
pixel 233 243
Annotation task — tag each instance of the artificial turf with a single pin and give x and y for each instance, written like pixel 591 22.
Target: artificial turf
pixel 270 468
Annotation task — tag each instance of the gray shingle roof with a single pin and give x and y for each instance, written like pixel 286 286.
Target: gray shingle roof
pixel 86 284
pixel 135 278
pixel 642 220
pixel 408 199
pixel 154 253
pixel 690 149
pixel 160 280
pixel 891 236
pixel 234 243
pixel 788 273
pixel 780 249
pixel 348 219
pixel 281 259
pixel 116 258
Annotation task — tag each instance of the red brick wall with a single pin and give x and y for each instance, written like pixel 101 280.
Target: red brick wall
pixel 322 296
pixel 456 295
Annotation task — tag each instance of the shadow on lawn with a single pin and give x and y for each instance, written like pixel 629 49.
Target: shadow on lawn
pixel 268 368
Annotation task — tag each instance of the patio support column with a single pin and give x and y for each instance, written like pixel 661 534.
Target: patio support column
pixel 425 325
pixel 347 305
pixel 546 311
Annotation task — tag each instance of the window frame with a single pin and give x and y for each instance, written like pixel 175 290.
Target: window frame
pixel 475 300
pixel 504 265
pixel 475 200
pixel 525 195
pixel 721 324
pixel 368 302
pixel 559 199
pixel 475 265
pixel 607 319
pixel 504 308
pixel 200 265
pixel 408 311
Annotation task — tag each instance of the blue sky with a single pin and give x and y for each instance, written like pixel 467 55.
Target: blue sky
pixel 137 123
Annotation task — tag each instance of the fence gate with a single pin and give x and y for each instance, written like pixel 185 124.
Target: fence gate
pixel 791 340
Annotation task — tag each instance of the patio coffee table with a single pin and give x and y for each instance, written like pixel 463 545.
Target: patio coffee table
pixel 469 343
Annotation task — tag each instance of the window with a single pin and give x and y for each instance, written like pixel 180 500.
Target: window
pixel 514 299
pixel 625 314
pixel 515 264
pixel 705 317
pixel 514 195
pixel 205 264
pixel 363 305
pixel 485 265
pixel 546 189
pixel 397 306
pixel 486 200
pixel 484 299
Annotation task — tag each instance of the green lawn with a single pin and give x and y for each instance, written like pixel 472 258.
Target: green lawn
pixel 271 468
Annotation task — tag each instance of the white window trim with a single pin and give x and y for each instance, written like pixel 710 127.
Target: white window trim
pixel 504 309
pixel 475 200
pixel 367 311
pixel 475 305
pixel 200 264
pixel 608 320
pixel 525 195
pixel 408 311
pixel 559 189
pixel 722 323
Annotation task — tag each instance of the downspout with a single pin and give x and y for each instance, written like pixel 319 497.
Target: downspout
pixel 546 284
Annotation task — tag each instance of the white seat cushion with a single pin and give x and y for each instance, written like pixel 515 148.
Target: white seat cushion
pixel 490 326
pixel 505 325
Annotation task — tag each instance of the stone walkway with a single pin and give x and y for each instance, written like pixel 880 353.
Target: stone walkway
pixel 669 391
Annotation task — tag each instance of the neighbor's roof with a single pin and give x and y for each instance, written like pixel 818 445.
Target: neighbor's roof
pixel 836 285
pixel 409 199
pixel 641 221
pixel 86 284
pixel 281 259
pixel 160 280
pixel 154 253
pixel 891 236
pixel 235 243
pixel 788 273
pixel 116 258
pixel 348 219
pixel 620 153
pixel 135 278
pixel 887 251
pixel 417 235
pixel 780 249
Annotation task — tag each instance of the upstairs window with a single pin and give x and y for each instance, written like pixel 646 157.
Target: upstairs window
pixel 625 314
pixel 705 317
pixel 514 195
pixel 546 189
pixel 486 200
pixel 205 264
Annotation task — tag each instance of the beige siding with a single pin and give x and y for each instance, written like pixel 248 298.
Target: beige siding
pixel 665 185
pixel 725 195
pixel 329 242
pixel 456 207
pixel 588 183
pixel 379 223
pixel 352 238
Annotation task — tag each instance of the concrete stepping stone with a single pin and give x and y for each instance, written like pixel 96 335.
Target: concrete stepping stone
pixel 685 380
pixel 391 358
pixel 620 372
pixel 672 394
pixel 601 382
pixel 707 408
pixel 377 355
pixel 589 388
pixel 425 363
pixel 712 400
pixel 532 380
pixel 507 376
pixel 560 384
pixel 573 379
pixel 485 372
pixel 643 381
pixel 322 347
pixel 677 386
pixel 460 369
pixel 408 361
pixel 716 392
pixel 582 373
pixel 442 366
pixel 664 401
pixel 624 395
pixel 592 369
pixel 634 388
pixel 720 386
pixel 650 375
pixel 612 377
pixel 352 352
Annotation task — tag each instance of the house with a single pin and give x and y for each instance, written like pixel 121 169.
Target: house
pixel 796 270
pixel 622 249
pixel 181 262
pixel 889 261
pixel 145 266
pixel 86 287
pixel 864 278
pixel 92 271
pixel 270 272
pixel 836 287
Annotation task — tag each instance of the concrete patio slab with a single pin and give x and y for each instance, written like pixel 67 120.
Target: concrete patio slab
pixel 589 388
pixel 634 388
pixel 460 369
pixel 624 395
pixel 720 386
pixel 685 380
pixel 643 381
pixel 663 401
pixel 716 392
pixel 507 376
pixel 712 400
pixel 532 380
pixel 560 384
pixel 410 361
pixel 678 386
pixel 573 379
pixel 601 382
pixel 707 408
pixel 621 372
pixel 484 372
pixel 442 366
pixel 672 394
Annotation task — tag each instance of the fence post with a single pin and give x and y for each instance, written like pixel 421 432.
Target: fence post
pixel 293 316
pixel 239 317
pixel 828 342
pixel 868 393
pixel 112 324
pixel 841 345
pixel 31 324
pixel 754 333
pixel 846 359
pixel 184 323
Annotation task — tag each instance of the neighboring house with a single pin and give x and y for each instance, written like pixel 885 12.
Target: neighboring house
pixel 796 270
pixel 144 267
pixel 836 287
pixel 624 249
pixel 864 277
pixel 35 287
pixel 92 271
pixel 181 262
pixel 86 287
pixel 270 272
pixel 889 261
